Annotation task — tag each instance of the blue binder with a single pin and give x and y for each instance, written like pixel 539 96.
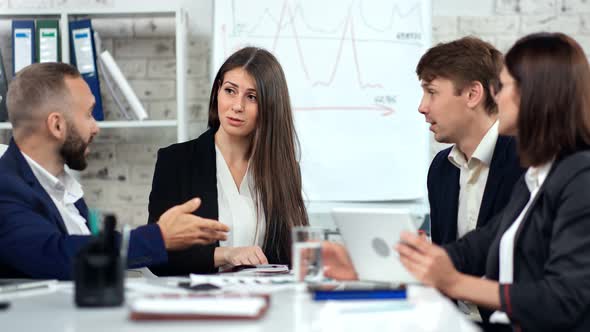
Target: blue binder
pixel 23 44
pixel 377 294
pixel 83 56
pixel 3 90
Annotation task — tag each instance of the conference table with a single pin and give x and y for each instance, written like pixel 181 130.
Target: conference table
pixel 291 309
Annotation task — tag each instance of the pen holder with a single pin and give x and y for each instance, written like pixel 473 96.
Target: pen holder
pixel 99 270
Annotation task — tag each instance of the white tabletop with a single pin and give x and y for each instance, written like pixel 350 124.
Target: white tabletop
pixel 290 310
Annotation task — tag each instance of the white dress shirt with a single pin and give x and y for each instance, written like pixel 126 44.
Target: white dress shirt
pixel 238 208
pixel 534 178
pixel 473 178
pixel 64 191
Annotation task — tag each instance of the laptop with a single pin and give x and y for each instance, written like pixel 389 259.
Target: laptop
pixel 16 285
pixel 370 235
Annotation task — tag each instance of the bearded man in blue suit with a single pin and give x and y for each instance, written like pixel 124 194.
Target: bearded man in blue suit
pixel 42 211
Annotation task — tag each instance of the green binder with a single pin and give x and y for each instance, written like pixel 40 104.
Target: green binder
pixel 48 41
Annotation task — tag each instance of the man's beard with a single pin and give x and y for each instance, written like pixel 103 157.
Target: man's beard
pixel 74 149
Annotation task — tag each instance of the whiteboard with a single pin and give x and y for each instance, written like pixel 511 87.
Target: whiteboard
pixel 350 67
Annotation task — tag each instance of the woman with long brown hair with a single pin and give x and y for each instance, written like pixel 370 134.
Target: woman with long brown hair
pixel 244 168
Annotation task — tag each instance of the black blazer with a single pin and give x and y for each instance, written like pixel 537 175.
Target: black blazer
pixel 184 171
pixel 551 288
pixel 443 189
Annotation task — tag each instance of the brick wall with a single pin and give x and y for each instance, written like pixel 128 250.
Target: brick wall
pixel 510 20
pixel 122 160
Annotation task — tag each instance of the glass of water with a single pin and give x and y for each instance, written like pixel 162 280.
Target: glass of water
pixel 307 254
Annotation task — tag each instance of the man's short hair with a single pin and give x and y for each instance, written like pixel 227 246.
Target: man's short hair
pixel 36 90
pixel 464 61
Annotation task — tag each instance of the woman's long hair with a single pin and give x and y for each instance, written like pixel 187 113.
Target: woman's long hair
pixel 274 148
pixel 553 78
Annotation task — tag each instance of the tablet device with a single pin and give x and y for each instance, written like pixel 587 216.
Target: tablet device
pixel 370 235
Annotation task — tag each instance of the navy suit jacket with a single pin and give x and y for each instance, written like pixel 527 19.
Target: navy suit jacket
pixel 34 242
pixel 443 189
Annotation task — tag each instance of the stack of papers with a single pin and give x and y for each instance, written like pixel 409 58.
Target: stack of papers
pixel 246 283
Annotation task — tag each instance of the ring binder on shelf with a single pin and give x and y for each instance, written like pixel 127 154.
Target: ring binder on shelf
pixel 3 90
pixel 83 55
pixel 23 44
pixel 48 41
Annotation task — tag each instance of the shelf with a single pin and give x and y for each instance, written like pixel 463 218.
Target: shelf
pixel 157 11
pixel 121 124
pixel 128 10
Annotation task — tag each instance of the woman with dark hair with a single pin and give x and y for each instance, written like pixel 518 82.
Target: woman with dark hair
pixel 536 256
pixel 244 168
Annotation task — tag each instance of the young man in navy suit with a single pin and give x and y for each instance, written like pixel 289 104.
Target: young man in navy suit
pixel 471 181
pixel 42 211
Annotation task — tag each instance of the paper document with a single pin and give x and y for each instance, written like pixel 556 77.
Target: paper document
pixel 381 315
pixel 232 279
pixel 233 282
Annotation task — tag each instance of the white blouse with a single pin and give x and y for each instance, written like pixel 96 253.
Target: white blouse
pixel 534 178
pixel 237 207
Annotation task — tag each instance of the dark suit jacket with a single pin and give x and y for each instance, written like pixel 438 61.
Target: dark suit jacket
pixel 443 189
pixel 184 171
pixel 34 242
pixel 551 288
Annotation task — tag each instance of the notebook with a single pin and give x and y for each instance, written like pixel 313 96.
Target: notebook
pixel 189 307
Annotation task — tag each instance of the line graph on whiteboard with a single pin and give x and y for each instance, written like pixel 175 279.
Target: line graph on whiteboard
pixel 350 68
pixel 328 52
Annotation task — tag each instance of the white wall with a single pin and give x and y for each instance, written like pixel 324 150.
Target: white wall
pixel 462 7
